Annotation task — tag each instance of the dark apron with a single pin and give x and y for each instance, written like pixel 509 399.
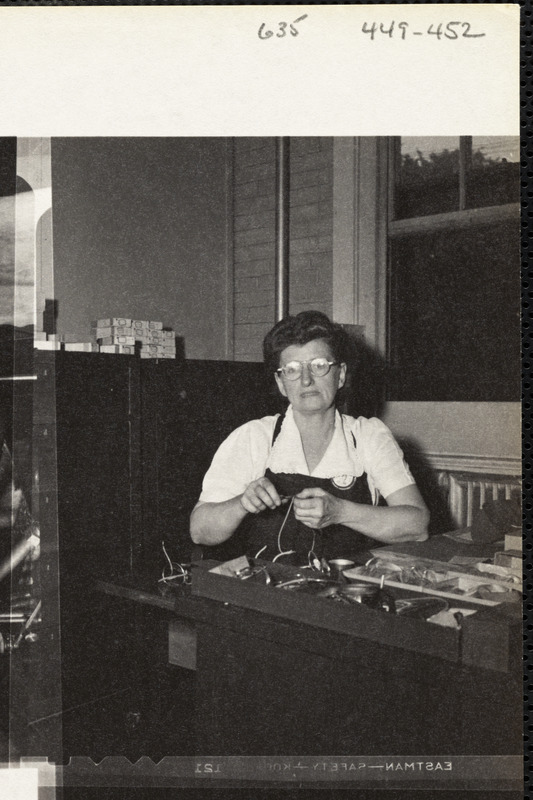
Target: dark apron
pixel 335 541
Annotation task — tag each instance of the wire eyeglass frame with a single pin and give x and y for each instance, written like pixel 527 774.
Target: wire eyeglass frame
pixel 317 368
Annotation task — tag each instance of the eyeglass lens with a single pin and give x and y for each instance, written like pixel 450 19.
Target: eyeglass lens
pixel 318 367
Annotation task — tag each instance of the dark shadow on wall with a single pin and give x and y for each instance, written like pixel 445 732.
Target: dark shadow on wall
pixel 364 395
pixel 426 478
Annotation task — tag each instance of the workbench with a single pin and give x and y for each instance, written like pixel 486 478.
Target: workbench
pixel 293 676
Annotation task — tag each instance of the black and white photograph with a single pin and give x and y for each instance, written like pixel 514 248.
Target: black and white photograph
pixel 260 465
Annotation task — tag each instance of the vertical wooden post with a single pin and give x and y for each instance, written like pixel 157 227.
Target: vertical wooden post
pixel 282 226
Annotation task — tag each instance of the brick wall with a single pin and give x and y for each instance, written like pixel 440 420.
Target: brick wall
pixel 311 233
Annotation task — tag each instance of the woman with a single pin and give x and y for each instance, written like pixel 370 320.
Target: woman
pixel 307 484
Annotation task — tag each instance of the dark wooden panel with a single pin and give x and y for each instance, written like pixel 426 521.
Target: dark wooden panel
pixel 121 466
pixel 270 685
pixel 188 409
pixel 266 698
pixel 134 440
pixel 276 692
pixel 94 464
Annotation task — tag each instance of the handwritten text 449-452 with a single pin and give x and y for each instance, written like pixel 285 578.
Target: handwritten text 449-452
pixel 403 30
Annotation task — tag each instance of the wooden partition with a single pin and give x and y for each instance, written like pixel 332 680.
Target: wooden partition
pixel 120 447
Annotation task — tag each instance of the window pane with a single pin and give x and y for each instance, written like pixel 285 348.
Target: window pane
pixel 427 176
pixel 493 178
pixel 454 315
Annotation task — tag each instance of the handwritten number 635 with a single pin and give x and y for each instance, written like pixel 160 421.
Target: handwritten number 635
pixel 282 29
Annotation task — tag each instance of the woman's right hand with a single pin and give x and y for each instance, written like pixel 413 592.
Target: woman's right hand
pixel 259 495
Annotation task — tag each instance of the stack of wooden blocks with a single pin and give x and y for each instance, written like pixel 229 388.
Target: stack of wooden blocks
pixel 118 335
pixel 122 335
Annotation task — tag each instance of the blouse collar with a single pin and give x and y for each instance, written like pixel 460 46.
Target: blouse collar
pixel 340 458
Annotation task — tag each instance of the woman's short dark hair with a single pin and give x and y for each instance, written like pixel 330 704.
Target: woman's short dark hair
pixel 303 328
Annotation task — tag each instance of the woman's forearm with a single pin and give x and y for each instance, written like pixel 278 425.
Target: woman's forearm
pixel 214 523
pixel 399 523
pixel 404 519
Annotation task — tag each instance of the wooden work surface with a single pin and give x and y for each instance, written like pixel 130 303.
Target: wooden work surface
pixel 489 639
pixel 444 548
pixel 314 682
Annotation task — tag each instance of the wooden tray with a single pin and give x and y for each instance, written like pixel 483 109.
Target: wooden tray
pixel 464 578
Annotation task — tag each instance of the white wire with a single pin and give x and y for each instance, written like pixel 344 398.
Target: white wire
pixel 173 566
pixel 290 552
pixel 283 525
pixel 167 555
pixel 312 550
pixel 171 578
pixel 285 553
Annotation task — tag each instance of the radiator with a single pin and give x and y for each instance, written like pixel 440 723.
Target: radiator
pixel 468 492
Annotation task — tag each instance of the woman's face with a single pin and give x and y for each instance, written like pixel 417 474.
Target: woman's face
pixel 310 394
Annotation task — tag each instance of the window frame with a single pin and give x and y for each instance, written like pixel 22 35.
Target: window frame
pixel 460 219
pixel 363 225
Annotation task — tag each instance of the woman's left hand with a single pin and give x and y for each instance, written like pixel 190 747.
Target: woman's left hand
pixel 316 508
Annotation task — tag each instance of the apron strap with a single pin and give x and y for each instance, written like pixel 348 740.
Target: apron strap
pixel 277 427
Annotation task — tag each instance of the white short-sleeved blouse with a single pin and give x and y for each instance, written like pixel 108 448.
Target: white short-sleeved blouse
pixel 358 445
